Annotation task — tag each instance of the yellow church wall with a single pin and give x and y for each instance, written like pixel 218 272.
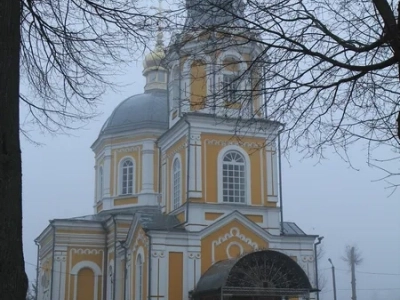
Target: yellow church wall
pixel 208 216
pixel 175 275
pixel 178 148
pixel 257 166
pixel 77 255
pixel 85 254
pixel 181 216
pixel 85 283
pixel 255 218
pixel 220 250
pixel 78 231
pixel 125 201
pixel 126 225
pixel 198 85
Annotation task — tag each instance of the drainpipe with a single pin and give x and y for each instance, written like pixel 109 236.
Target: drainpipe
pixel 52 260
pixel 149 267
pixel 122 243
pixel 168 101
pixel 115 256
pixel 188 172
pixel 105 262
pixel 280 179
pixel 37 271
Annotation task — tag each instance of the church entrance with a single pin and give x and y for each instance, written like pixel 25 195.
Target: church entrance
pixel 260 275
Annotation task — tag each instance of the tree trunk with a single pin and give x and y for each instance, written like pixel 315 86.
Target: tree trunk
pixel 13 284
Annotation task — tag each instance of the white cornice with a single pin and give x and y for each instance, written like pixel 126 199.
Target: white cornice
pixel 110 137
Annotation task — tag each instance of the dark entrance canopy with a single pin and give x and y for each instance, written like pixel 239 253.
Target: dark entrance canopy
pixel 261 274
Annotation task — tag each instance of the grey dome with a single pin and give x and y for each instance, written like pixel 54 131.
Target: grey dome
pixel 143 111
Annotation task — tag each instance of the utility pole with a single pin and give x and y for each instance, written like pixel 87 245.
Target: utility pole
pixel 353 273
pixel 333 279
pixel 316 264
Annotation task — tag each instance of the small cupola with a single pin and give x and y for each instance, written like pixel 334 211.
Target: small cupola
pixel 155 73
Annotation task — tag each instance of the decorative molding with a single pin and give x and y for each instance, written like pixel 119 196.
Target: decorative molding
pixel 181 147
pixel 195 137
pixel 194 255
pixel 234 244
pixel 141 237
pixel 233 232
pixel 307 258
pixel 86 251
pixel 159 254
pixel 228 143
pixel 61 258
pixel 128 149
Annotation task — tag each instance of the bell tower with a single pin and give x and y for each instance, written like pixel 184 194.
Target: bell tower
pixel 213 63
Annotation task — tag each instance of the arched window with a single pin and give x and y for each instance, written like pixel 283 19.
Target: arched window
pixel 139 278
pixel 127 180
pixel 101 183
pixel 233 178
pixel 176 184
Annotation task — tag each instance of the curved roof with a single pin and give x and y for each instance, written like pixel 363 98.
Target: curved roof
pixel 143 111
pixel 267 270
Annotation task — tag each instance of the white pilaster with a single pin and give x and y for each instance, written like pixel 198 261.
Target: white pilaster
pixel 107 172
pixel 148 167
pixel 193 270
pixel 60 266
pixel 158 274
pixel 272 174
pixel 194 163
pixel 164 184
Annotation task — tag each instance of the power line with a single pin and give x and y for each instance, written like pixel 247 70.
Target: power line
pixel 372 273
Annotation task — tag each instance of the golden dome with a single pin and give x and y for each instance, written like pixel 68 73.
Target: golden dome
pixel 153 60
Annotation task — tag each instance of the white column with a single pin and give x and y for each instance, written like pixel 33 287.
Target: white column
pixel 96 188
pixel 164 184
pixel 194 163
pixel 272 174
pixel 148 167
pixel 107 172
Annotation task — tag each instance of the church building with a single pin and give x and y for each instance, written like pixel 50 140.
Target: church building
pixel 187 195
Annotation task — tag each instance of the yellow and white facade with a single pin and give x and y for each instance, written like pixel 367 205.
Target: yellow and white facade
pixel 186 177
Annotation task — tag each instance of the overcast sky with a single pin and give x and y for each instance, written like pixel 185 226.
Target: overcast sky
pixel 329 199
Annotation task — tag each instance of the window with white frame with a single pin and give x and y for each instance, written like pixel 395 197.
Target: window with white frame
pixel 176 184
pixel 139 278
pixel 101 183
pixel 127 180
pixel 233 178
pixel 230 87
